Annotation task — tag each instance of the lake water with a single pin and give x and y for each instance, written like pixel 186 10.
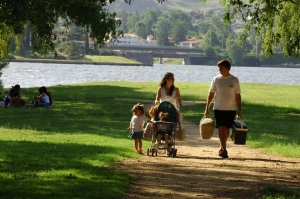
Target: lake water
pixel 47 74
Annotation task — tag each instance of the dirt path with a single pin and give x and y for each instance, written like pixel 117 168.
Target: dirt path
pixel 198 172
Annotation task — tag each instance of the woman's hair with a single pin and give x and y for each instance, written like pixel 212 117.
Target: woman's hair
pixel 17 86
pixel 163 82
pixel 43 89
pixel 225 63
pixel 138 106
pixel 163 116
pixel 13 91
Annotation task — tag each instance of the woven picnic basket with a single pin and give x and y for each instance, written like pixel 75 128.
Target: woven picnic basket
pixel 206 127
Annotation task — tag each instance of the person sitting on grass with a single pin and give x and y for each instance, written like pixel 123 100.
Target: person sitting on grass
pixel 43 99
pixel 12 98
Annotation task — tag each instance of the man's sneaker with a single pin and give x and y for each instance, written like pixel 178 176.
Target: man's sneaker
pixel 223 153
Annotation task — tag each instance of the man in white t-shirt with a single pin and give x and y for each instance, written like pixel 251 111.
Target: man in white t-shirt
pixel 226 92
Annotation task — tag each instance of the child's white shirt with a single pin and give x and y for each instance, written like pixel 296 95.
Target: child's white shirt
pixel 137 122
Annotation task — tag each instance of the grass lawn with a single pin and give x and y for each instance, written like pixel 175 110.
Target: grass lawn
pixel 90 58
pixel 66 151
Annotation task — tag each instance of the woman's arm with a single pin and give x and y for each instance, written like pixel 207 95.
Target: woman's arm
pixel 40 96
pixel 158 96
pixel 178 97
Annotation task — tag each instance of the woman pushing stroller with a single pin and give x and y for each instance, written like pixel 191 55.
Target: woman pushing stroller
pixel 168 92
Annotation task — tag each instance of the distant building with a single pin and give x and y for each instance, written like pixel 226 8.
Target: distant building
pixel 132 39
pixel 194 43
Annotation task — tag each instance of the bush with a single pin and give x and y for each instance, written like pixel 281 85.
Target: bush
pixel 10 57
pixel 251 60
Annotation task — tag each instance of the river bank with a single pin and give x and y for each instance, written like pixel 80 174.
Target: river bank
pixel 126 63
pixel 129 63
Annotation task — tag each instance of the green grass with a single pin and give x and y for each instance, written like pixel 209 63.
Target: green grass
pixel 90 58
pixel 110 59
pixel 279 193
pixel 68 150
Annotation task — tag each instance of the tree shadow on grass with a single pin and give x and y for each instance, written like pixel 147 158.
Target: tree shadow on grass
pixel 53 170
pixel 78 109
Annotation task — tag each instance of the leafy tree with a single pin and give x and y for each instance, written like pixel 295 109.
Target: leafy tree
pixel 71 48
pixel 149 18
pixel 6 35
pixel 162 31
pixel 209 51
pixel 211 39
pixel 222 30
pixel 178 15
pixel 43 15
pixel 236 50
pixel 277 19
pixel 74 32
pixel 179 31
pixel 203 27
pixel 132 20
pixel 124 15
pixel 140 30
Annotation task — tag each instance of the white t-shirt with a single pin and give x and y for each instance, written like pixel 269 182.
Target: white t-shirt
pixel 225 89
pixel 137 123
pixel 46 99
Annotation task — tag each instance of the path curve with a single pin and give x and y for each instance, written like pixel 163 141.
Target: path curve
pixel 198 172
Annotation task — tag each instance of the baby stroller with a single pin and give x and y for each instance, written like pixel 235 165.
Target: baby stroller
pixel 170 124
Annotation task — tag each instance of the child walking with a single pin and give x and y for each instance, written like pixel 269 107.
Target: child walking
pixel 137 126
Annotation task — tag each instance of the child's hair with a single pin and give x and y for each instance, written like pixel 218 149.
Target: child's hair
pixel 138 106
pixel 163 116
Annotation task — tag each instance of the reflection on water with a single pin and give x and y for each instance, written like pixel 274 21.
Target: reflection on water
pixel 47 74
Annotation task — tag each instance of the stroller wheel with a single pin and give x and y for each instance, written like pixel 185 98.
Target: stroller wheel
pixel 170 152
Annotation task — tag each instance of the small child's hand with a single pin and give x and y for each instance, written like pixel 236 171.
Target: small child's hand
pixel 128 129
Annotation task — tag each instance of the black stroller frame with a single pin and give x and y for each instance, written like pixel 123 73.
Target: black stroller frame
pixel 172 122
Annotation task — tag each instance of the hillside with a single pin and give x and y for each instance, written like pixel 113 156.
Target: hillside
pixel 184 5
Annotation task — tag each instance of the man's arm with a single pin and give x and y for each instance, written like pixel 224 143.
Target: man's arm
pixel 210 97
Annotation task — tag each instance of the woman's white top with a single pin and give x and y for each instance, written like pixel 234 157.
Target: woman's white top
pixel 169 98
pixel 46 99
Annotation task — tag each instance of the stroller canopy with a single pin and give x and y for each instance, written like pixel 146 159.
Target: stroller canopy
pixel 168 107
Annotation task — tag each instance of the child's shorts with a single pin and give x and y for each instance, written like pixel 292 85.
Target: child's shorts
pixel 136 135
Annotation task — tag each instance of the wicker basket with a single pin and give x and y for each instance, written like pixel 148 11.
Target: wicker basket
pixel 206 127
